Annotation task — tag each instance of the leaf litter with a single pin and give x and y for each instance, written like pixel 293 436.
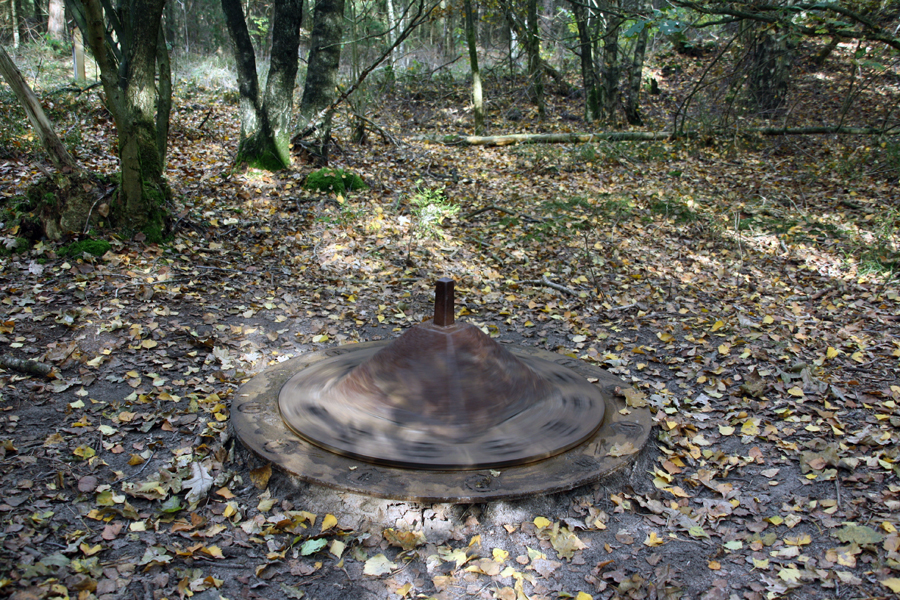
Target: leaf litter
pixel 768 354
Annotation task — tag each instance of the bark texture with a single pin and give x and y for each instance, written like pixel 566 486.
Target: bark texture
pixel 126 43
pixel 265 118
pixel 55 149
pixel 586 54
pixel 319 91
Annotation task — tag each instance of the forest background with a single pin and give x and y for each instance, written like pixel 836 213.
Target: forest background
pixel 700 197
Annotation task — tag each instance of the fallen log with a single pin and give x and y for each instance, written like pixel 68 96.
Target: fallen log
pixel 635 136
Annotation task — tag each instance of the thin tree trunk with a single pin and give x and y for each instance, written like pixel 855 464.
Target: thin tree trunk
pixel 635 78
pixel 533 48
pixel 471 40
pixel 14 7
pixel 586 54
pixel 245 62
pixel 78 56
pixel 52 145
pixel 610 75
pixel 322 73
pixel 392 37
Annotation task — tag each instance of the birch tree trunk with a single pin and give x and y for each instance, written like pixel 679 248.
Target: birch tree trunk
pixel 472 41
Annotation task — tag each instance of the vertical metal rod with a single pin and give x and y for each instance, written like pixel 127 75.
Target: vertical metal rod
pixel 443 302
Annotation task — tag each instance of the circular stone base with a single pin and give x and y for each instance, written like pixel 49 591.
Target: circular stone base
pixel 258 425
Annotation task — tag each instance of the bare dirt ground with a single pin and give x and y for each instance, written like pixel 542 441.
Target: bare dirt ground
pixel 745 287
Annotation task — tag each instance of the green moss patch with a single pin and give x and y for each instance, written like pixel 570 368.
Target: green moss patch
pixel 78 249
pixel 338 181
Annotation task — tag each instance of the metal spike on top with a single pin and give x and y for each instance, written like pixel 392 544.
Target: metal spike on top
pixel 443 302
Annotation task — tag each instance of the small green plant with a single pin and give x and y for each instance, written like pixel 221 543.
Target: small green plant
pixel 430 207
pixel 338 181
pixel 676 208
pixel 78 249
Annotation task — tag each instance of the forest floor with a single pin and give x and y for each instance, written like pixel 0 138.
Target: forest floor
pixel 746 286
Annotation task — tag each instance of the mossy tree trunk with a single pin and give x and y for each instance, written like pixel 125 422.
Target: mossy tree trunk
pixel 130 52
pixel 319 90
pixel 265 118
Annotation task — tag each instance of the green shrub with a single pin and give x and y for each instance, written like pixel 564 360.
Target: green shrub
pixel 338 181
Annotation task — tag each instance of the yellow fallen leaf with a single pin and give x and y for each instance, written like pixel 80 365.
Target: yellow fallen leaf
pixel 714 565
pixel 718 325
pixel 768 320
pixel 795 391
pixel 892 584
pixel 724 349
pixel 584 596
pixel 831 352
pixel 541 522
pixel 403 590
pixel 328 522
pixel 653 540
pixel 90 550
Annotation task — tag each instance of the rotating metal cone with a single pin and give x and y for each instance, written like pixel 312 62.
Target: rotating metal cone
pixel 442 396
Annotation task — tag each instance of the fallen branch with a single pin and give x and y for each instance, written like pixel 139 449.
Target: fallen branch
pixel 32 367
pixel 546 282
pixel 633 136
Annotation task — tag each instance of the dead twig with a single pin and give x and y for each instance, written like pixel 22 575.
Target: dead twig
pixel 546 282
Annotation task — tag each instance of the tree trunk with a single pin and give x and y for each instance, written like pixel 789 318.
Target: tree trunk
pixel 319 90
pixel 392 37
pixel 586 54
pixel 609 89
pixel 52 145
pixel 471 40
pixel 769 65
pixel 265 121
pixel 78 56
pixel 635 77
pixel 128 73
pixel 56 20
pixel 533 49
